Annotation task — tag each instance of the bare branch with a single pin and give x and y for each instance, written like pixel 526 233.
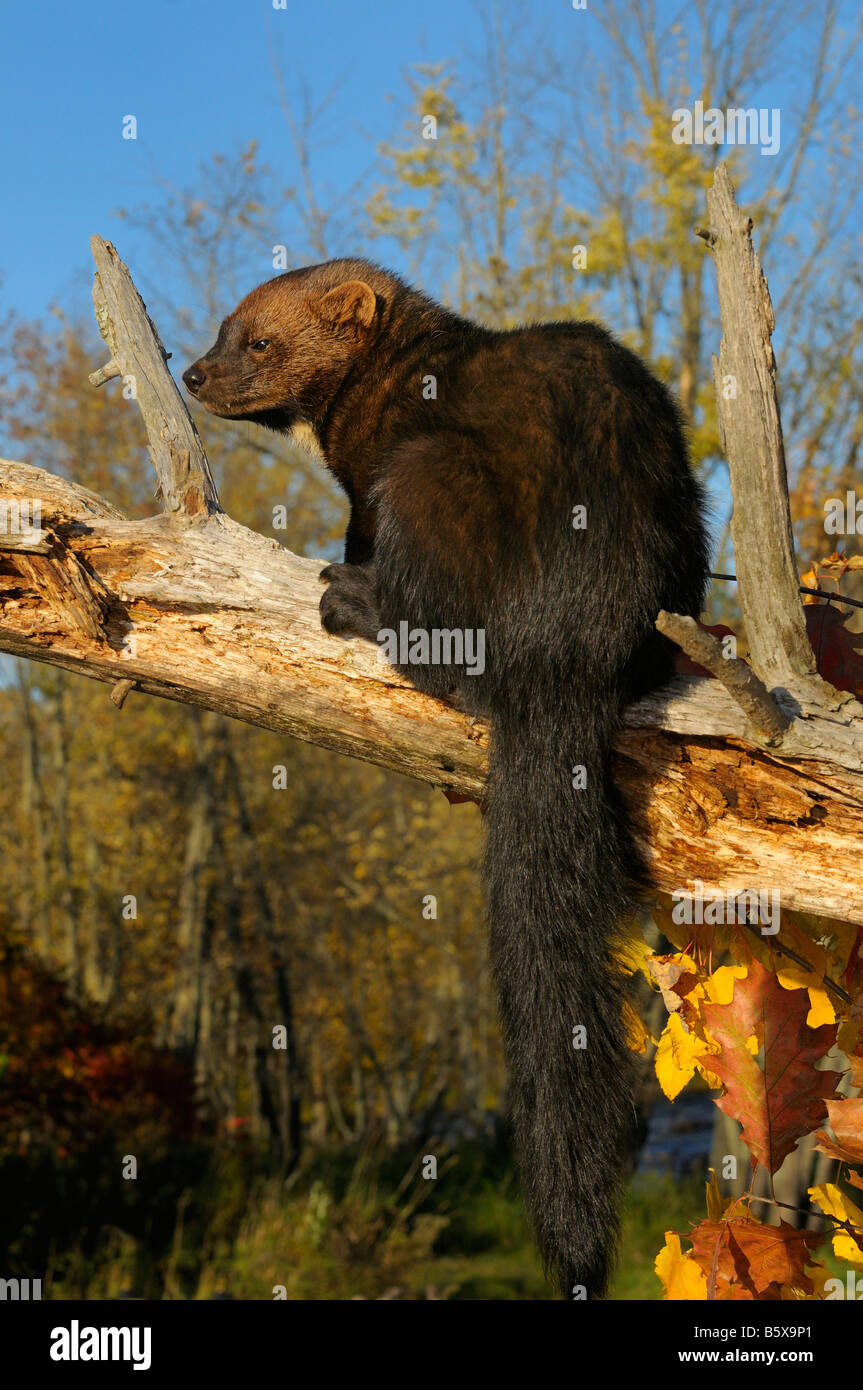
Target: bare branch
pixel 185 482
pixel 752 438
pixel 191 606
pixel 739 679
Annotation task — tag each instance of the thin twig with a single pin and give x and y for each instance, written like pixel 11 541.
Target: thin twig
pixel 120 691
pixel 804 963
pixel 803 589
pixel 853 1231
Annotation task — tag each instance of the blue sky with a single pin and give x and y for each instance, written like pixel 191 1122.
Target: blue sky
pixel 198 76
pixel 199 79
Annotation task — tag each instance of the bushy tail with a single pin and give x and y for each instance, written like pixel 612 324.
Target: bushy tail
pixel 560 875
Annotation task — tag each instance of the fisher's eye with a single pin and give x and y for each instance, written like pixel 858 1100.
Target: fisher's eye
pixel 261 345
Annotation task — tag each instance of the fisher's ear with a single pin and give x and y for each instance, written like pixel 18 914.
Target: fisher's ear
pixel 353 304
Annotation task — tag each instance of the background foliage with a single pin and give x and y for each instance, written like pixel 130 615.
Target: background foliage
pixel 299 898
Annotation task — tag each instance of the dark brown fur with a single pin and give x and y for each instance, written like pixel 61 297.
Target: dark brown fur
pixel 461 518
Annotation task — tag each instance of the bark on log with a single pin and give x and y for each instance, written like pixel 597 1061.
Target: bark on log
pixel 213 614
pixel 193 607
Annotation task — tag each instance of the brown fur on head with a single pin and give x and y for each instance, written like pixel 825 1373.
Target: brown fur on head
pixel 286 348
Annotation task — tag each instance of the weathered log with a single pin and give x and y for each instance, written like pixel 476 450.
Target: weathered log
pixel 193 607
pixel 212 614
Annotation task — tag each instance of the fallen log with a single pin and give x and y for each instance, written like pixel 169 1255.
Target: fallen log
pixel 191 606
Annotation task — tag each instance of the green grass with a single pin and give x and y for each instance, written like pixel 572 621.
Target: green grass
pixel 653 1205
pixel 368 1227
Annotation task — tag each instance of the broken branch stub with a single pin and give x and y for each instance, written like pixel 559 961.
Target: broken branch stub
pixel 751 430
pixel 210 613
pixel 186 484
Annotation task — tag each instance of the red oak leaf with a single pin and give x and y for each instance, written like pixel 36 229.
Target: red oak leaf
pixel 782 1099
pixel 744 1259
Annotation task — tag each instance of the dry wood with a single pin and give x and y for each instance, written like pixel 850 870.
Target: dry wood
pixel 739 679
pixel 185 481
pixel 34 542
pixel 191 606
pixel 751 432
pixel 214 615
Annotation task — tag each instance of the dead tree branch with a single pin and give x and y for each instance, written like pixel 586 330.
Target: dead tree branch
pixel 739 679
pixel 751 433
pixel 193 607
pixel 137 355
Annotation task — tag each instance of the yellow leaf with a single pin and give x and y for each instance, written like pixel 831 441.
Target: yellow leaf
pixel 819 1274
pixel 714 1198
pixel 679 935
pixel 680 1276
pixel 849 1035
pixel 809 580
pixel 820 1008
pixel 717 1205
pixel 833 1201
pixel 675 1056
pixel 719 987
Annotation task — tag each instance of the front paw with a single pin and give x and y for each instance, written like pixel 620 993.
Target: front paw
pixel 349 603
